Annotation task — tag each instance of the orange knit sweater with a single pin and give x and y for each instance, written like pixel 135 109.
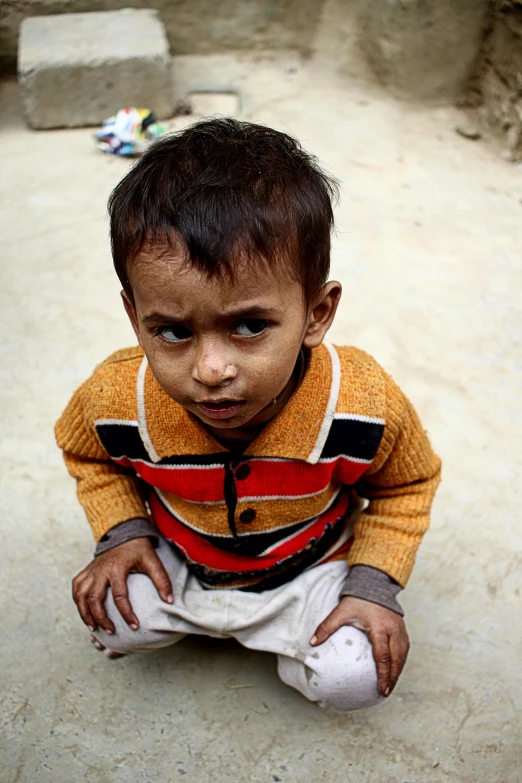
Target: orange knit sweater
pixel 347 430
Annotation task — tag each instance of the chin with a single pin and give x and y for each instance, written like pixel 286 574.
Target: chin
pixel 223 424
pixel 230 424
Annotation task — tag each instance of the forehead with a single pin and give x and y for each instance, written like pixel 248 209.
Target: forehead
pixel 168 282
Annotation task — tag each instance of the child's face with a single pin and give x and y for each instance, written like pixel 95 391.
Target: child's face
pixel 223 350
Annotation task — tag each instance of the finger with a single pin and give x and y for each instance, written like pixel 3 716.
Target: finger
pixel 80 597
pixel 399 646
pixel 325 629
pixel 96 599
pixel 154 568
pixel 78 580
pixel 120 595
pixel 97 644
pixel 382 657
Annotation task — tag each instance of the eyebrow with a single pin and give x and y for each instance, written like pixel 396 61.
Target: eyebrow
pixel 256 311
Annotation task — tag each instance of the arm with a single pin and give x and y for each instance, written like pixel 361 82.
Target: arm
pixel 372 585
pixel 127 531
pixel 108 492
pixel 399 485
pixel 110 496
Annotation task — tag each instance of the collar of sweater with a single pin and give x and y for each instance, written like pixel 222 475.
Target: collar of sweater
pixel 298 432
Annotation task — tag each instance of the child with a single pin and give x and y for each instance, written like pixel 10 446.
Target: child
pixel 220 464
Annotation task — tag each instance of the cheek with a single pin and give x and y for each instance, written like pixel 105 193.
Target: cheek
pixel 169 372
pixel 270 375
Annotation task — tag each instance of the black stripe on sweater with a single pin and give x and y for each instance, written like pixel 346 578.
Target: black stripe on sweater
pixel 275 576
pixel 353 438
pixel 124 440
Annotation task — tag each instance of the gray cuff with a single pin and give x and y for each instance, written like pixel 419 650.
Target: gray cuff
pixel 126 531
pixel 373 585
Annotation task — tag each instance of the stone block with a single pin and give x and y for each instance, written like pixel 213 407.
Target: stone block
pixel 78 69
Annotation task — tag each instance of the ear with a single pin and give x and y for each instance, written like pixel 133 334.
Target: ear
pixel 131 312
pixel 322 314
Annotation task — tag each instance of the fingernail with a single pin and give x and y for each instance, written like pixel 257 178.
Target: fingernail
pixel 313 640
pixel 134 626
pixel 387 691
pixel 170 599
pixel 108 630
pixel 91 628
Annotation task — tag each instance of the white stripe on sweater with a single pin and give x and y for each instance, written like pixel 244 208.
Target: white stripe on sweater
pixel 142 415
pixel 313 457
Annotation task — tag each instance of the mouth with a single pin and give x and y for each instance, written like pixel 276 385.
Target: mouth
pixel 224 409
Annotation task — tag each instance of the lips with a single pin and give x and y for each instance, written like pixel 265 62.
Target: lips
pixel 224 409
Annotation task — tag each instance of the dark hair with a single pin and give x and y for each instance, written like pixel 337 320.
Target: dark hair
pixel 227 190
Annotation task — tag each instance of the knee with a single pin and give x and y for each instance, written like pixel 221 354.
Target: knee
pixel 145 602
pixel 342 673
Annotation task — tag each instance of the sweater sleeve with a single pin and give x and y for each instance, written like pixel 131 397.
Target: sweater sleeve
pixel 109 493
pixel 400 485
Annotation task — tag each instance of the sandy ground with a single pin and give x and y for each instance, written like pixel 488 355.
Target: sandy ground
pixel 429 229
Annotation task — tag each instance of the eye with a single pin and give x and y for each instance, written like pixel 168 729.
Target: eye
pixel 174 334
pixel 249 327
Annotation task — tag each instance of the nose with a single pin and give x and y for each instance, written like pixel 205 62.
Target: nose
pixel 212 366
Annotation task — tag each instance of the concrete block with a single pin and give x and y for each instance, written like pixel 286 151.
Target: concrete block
pixel 193 26
pixel 78 69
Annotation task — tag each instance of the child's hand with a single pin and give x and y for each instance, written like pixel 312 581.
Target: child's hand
pixel 111 570
pixel 385 629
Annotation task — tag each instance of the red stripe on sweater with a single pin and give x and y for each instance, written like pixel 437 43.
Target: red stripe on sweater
pixel 198 550
pixel 282 479
pixel 348 471
pixel 199 485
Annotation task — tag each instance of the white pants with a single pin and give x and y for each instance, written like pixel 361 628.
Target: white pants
pixel 339 674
